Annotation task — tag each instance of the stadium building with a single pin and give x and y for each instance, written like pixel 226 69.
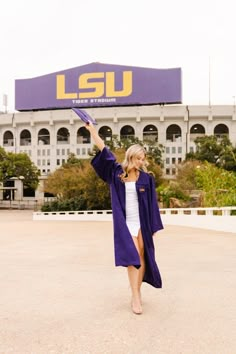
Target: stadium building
pixel 125 101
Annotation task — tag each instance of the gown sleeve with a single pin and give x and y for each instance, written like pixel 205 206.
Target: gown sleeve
pixel 104 163
pixel 156 217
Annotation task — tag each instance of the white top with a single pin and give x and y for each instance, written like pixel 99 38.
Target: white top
pixel 132 208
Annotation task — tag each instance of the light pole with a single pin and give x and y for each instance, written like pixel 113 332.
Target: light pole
pixel 21 178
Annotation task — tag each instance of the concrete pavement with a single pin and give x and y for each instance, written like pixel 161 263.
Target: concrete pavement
pixel 61 293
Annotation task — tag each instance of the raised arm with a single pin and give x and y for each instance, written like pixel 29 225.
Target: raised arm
pixel 94 134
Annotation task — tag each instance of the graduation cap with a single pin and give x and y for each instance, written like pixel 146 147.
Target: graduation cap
pixel 84 116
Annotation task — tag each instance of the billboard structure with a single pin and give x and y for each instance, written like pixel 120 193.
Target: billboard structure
pixel 99 85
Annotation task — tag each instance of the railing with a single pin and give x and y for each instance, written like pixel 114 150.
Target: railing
pixel 88 215
pixel 97 215
pixel 214 211
pixel 217 219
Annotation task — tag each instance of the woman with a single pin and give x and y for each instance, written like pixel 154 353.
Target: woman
pixel 136 216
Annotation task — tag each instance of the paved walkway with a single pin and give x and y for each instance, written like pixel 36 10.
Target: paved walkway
pixel 60 292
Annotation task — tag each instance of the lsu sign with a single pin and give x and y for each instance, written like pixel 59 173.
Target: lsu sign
pixel 96 85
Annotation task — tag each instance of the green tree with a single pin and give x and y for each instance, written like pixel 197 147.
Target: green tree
pixel 218 151
pixel 95 191
pixel 18 165
pixel 78 182
pixel 186 175
pixel 73 161
pixel 218 185
pixel 154 152
pixel 227 158
pixel 65 182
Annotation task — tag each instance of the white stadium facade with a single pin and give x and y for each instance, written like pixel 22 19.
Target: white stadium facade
pixel 49 132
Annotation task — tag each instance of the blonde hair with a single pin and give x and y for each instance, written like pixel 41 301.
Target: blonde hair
pixel 132 152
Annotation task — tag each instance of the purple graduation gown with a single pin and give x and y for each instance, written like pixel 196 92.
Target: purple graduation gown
pixel 126 254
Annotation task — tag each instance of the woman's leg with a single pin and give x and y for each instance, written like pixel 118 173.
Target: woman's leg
pixel 134 279
pixel 142 260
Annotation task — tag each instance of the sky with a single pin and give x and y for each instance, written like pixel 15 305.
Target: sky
pixel 46 36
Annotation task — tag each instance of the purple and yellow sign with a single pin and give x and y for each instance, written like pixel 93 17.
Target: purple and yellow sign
pixel 96 85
